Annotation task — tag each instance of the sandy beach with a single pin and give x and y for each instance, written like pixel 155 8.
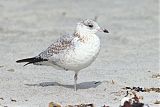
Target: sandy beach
pixel 129 54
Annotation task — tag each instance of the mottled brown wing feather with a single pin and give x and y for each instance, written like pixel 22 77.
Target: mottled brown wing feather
pixel 60 45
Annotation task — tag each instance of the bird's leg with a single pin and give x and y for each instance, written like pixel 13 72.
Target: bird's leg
pixel 75 81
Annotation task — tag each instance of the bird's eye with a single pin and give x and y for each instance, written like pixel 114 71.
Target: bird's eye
pixel 90 25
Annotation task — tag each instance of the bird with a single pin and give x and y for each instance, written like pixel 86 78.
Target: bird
pixel 72 52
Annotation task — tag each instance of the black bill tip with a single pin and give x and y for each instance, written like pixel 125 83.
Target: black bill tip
pixel 105 31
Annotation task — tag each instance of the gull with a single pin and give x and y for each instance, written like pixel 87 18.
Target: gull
pixel 71 52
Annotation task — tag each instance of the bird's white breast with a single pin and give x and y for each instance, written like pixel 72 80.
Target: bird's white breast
pixel 84 53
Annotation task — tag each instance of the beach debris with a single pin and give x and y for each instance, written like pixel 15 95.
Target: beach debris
pixel 156 76
pixel 13 100
pixel 136 98
pixel 113 82
pixel 139 89
pixel 118 93
pixel 152 89
pixel 81 105
pixel 138 105
pixel 125 102
pixel 132 101
pixel 157 102
pixel 52 104
pixel 10 70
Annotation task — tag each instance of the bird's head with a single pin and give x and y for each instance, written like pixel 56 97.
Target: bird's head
pixel 89 26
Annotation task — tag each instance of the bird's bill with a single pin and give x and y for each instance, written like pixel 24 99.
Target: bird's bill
pixel 103 30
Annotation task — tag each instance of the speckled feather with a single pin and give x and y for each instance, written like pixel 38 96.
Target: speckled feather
pixel 61 45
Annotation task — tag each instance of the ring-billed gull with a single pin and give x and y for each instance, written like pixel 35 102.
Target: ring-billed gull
pixel 72 52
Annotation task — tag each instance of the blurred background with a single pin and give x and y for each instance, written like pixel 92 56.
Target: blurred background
pixel 35 24
pixel 129 51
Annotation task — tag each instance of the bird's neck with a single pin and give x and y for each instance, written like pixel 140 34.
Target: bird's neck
pixel 82 34
pixel 84 37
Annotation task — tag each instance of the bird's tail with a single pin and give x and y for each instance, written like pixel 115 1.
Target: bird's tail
pixel 31 60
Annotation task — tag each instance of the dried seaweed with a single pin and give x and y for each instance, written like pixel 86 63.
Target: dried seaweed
pixel 139 89
pixel 157 102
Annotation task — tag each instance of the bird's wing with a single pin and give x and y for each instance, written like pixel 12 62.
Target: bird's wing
pixel 57 47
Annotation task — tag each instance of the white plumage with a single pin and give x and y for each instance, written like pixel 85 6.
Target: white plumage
pixel 72 52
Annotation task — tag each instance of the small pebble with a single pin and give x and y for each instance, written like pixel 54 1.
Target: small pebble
pixel 13 100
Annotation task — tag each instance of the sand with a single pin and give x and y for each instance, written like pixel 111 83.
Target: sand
pixel 129 54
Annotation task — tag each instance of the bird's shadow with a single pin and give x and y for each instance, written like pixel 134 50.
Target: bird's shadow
pixel 84 85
